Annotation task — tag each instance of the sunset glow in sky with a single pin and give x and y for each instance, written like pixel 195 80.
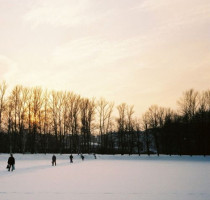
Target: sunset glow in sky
pixel 141 52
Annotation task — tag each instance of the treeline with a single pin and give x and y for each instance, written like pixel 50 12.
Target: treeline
pixel 41 121
pixel 186 131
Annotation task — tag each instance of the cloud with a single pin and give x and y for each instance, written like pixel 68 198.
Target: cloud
pixel 92 51
pixel 73 13
pixel 8 68
pixel 62 13
pixel 171 14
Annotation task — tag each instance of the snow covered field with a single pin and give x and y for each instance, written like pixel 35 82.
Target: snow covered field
pixel 106 178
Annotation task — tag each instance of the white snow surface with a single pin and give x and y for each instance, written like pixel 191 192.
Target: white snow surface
pixel 109 177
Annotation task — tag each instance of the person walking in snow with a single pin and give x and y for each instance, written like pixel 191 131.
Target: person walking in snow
pixel 71 158
pixel 11 162
pixel 53 160
pixel 82 157
pixel 94 155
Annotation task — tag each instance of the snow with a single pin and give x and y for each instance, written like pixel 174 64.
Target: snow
pixel 112 177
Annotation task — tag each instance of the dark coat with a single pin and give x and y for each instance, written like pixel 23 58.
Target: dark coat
pixel 54 158
pixel 11 160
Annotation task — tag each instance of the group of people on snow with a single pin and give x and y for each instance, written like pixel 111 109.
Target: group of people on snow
pixel 11 161
pixel 54 159
pixel 70 157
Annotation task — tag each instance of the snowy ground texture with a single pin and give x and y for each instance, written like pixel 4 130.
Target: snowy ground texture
pixel 106 178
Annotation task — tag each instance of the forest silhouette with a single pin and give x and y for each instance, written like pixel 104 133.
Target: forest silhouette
pixel 33 120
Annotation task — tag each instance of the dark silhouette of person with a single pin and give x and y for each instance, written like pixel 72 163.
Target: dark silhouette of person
pixel 82 157
pixel 94 155
pixel 53 160
pixel 11 162
pixel 71 158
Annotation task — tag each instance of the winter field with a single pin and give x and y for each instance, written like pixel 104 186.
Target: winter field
pixel 106 178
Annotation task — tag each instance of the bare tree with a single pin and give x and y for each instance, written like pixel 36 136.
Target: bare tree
pixel 202 136
pixel 14 101
pixel 145 125
pixel 65 119
pixel 46 120
pixel 188 103
pixel 204 101
pixel 165 117
pixel 72 111
pixel 130 128
pixel 104 109
pixel 75 121
pixel 121 121
pixel 29 118
pixel 10 122
pixel 3 87
pixel 87 109
pixel 22 111
pixel 36 107
pixel 60 111
pixel 54 113
pixel 153 114
pixel 137 126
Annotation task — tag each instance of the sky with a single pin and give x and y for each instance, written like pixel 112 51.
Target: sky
pixel 141 52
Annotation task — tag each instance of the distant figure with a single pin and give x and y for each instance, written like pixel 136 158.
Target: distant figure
pixel 11 162
pixel 71 158
pixel 94 155
pixel 82 157
pixel 53 160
